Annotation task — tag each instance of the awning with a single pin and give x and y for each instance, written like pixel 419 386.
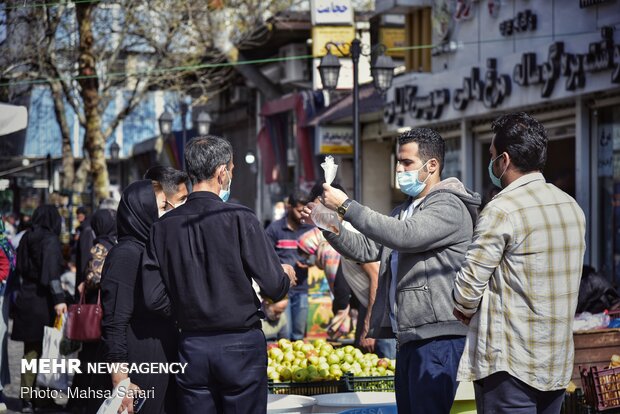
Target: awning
pixel 370 101
pixel 12 118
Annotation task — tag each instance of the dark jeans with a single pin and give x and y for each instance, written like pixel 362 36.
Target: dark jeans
pixel 425 380
pixel 297 315
pixel 226 372
pixel 502 393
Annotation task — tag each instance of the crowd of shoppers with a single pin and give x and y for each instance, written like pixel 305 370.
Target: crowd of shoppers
pixel 458 294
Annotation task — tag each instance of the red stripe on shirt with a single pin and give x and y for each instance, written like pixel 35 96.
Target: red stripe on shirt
pixel 286 244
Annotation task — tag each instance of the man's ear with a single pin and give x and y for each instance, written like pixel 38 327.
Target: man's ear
pixel 433 165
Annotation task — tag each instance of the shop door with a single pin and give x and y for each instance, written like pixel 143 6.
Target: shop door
pixel 608 176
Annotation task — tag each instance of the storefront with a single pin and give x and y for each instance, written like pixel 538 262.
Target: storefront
pixel 566 73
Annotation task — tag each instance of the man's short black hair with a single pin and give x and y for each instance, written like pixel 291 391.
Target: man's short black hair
pixel 82 210
pixel 169 178
pixel 204 154
pixel 430 144
pixel 523 138
pixel 298 197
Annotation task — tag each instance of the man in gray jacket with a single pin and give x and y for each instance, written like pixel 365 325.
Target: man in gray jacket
pixel 421 247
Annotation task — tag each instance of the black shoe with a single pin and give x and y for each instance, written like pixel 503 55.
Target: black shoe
pixel 27 407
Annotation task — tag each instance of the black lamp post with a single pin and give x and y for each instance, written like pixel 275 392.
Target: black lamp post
pixel 165 123
pixel 204 123
pixel 382 72
pixel 115 151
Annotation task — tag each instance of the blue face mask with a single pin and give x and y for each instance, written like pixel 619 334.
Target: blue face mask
pixel 409 182
pixel 497 181
pixel 224 194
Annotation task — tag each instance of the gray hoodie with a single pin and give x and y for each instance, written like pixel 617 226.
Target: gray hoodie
pixel 431 243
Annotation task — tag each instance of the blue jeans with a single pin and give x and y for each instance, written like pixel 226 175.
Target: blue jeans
pixel 297 314
pixel 503 393
pixel 425 379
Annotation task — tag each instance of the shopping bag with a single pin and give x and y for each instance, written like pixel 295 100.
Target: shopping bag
pixel 51 350
pixel 112 404
pixel 84 321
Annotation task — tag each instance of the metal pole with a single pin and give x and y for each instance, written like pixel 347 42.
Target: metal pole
pixel 356 49
pixel 183 115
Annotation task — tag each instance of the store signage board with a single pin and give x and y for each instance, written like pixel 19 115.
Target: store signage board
pixel 340 35
pixel 334 140
pixel 393 37
pixel 331 12
pixel 559 70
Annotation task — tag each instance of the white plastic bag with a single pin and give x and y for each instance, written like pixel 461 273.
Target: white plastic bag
pixel 111 405
pixel 324 218
pixel 330 169
pixel 51 350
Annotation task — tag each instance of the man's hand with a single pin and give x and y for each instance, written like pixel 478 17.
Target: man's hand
pixel 290 272
pixel 306 214
pixel 332 197
pixel 80 288
pixel 60 309
pixel 459 315
pixel 367 344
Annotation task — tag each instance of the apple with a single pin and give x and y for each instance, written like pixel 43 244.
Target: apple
pixel 300 375
pixel 333 358
pixel 289 356
pixel 323 365
pixel 383 362
pixel 340 353
pixel 297 345
pixel 300 355
pixel 313 360
pixel 307 347
pixel 324 373
pixel 381 371
pixel 349 358
pixel 348 349
pixel 335 371
pixel 318 343
pixel 392 365
pixel 345 367
pixel 312 352
pixel 285 344
pixel 286 374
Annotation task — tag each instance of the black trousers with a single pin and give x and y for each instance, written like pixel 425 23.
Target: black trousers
pixel 501 393
pixel 226 372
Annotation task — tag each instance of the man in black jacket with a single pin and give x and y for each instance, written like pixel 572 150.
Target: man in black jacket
pixel 198 268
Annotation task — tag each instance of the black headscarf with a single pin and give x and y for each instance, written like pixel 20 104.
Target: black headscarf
pixel 103 224
pixel 39 256
pixel 47 217
pixel 137 211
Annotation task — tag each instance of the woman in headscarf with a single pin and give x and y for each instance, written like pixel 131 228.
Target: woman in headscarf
pixel 130 333
pixel 7 272
pixel 40 296
pixel 103 224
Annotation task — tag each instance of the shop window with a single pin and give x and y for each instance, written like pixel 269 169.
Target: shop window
pixel 608 138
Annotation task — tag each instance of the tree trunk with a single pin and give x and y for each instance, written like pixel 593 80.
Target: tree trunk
pixel 68 166
pixel 89 91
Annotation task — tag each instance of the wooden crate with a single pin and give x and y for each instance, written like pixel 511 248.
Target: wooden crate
pixel 594 348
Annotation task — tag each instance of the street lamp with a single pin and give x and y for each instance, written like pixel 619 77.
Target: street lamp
pixel 204 123
pixel 165 123
pixel 382 72
pixel 115 150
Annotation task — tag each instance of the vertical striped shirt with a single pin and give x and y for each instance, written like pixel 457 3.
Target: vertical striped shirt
pixel 520 282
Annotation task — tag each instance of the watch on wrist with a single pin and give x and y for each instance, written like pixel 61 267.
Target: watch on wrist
pixel 342 208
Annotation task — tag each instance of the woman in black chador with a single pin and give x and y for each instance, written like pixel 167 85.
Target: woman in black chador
pixel 40 296
pixel 130 333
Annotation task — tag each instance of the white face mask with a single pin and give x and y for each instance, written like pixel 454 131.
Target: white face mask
pixel 224 194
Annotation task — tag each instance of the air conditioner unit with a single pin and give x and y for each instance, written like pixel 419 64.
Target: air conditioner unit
pixel 239 95
pixel 295 70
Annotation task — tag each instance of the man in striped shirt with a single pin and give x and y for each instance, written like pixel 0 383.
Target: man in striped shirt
pixel 285 234
pixel 517 289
